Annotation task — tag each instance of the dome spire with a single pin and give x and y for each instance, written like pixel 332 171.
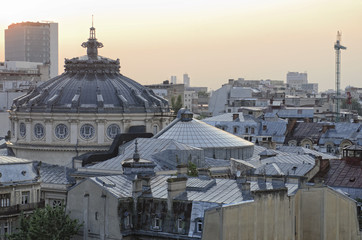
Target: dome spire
pixel 92 44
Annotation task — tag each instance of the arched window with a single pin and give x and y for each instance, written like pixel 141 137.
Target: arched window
pixel 155 129
pixel 39 131
pixel 329 148
pixel 61 131
pixel 87 131
pixel 113 130
pixel 22 129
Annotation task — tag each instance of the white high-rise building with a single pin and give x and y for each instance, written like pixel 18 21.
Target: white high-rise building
pixel 33 42
pixel 296 80
pixel 186 80
pixel 173 79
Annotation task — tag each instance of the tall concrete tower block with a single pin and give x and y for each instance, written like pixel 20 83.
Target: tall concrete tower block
pixel 186 80
pixel 33 42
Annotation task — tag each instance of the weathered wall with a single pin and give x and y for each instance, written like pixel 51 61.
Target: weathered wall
pixel 267 217
pixel 322 213
pixel 89 200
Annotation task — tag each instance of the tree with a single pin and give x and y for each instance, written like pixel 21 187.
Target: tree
pixel 46 223
pixel 176 105
pixel 355 105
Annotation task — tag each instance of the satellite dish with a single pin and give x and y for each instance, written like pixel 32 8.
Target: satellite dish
pixel 238 173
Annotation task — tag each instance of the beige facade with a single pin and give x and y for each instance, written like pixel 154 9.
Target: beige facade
pixel 313 213
pixel 96 209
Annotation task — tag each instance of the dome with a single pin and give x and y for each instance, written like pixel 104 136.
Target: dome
pixel 91 83
pixel 83 110
pixel 216 142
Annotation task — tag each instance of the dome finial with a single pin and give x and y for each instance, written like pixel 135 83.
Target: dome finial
pixel 136 155
pixel 92 44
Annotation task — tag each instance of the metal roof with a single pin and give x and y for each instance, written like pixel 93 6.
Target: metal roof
pixel 14 169
pixel 226 117
pixel 293 159
pixel 284 169
pixel 55 174
pixel 165 153
pixel 222 191
pixel 302 150
pixel 199 134
pixel 341 131
pixel 343 174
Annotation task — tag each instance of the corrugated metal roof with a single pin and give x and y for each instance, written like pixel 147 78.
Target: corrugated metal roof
pixel 301 150
pixel 350 131
pixel 199 134
pixel 223 191
pixel 294 159
pixel 226 117
pixel 163 152
pixel 284 169
pixel 14 169
pixel 55 174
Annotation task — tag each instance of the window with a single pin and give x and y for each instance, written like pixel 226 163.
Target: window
pixel 87 131
pixel 39 131
pixel 156 223
pixel 127 220
pixel 22 129
pixel 155 129
pixel 180 224
pixel 25 197
pixel 57 203
pixel 61 131
pixel 264 127
pixel 300 111
pixel 329 148
pixel 246 130
pixel 5 200
pixel 235 129
pixel 252 130
pixel 113 130
pixel 307 146
pixel 199 225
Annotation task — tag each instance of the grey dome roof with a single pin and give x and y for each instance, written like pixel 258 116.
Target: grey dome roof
pixel 91 83
pixel 193 132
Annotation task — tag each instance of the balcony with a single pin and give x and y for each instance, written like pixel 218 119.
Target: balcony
pixel 16 209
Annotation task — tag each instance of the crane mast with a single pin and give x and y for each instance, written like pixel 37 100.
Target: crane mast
pixel 338 47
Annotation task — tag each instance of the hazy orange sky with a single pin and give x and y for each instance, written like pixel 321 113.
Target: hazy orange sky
pixel 210 40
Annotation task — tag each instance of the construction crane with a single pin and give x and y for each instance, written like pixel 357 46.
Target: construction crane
pixel 338 47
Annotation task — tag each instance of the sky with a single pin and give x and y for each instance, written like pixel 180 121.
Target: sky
pixel 212 41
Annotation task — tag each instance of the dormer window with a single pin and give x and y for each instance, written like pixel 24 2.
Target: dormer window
pixel 180 225
pixel 156 223
pixel 127 220
pixel 199 225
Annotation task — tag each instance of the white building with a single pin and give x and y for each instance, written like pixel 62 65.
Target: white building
pixel 33 42
pixel 186 80
pixel 296 80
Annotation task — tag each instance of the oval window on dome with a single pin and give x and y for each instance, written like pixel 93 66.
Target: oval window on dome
pixel 113 130
pixel 61 131
pixel 39 130
pixel 22 129
pixel 87 131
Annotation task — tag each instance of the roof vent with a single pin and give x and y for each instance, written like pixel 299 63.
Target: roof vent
pixel 185 115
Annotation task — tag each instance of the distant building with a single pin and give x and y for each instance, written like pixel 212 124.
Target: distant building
pixel 173 79
pixel 167 90
pixel 186 80
pixel 311 88
pixel 296 80
pixel 33 42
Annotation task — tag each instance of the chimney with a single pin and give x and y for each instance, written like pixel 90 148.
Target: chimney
pixel 204 173
pixel 231 81
pixel 245 187
pixel 136 186
pixel 235 116
pixel 175 187
pixel 181 171
pixel 327 127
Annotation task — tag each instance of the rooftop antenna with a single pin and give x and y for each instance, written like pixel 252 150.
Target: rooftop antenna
pixel 338 47
pixel 92 20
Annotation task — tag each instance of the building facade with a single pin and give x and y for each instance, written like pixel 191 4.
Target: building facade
pixel 33 42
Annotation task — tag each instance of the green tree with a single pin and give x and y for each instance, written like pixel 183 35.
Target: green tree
pixel 46 223
pixel 176 104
